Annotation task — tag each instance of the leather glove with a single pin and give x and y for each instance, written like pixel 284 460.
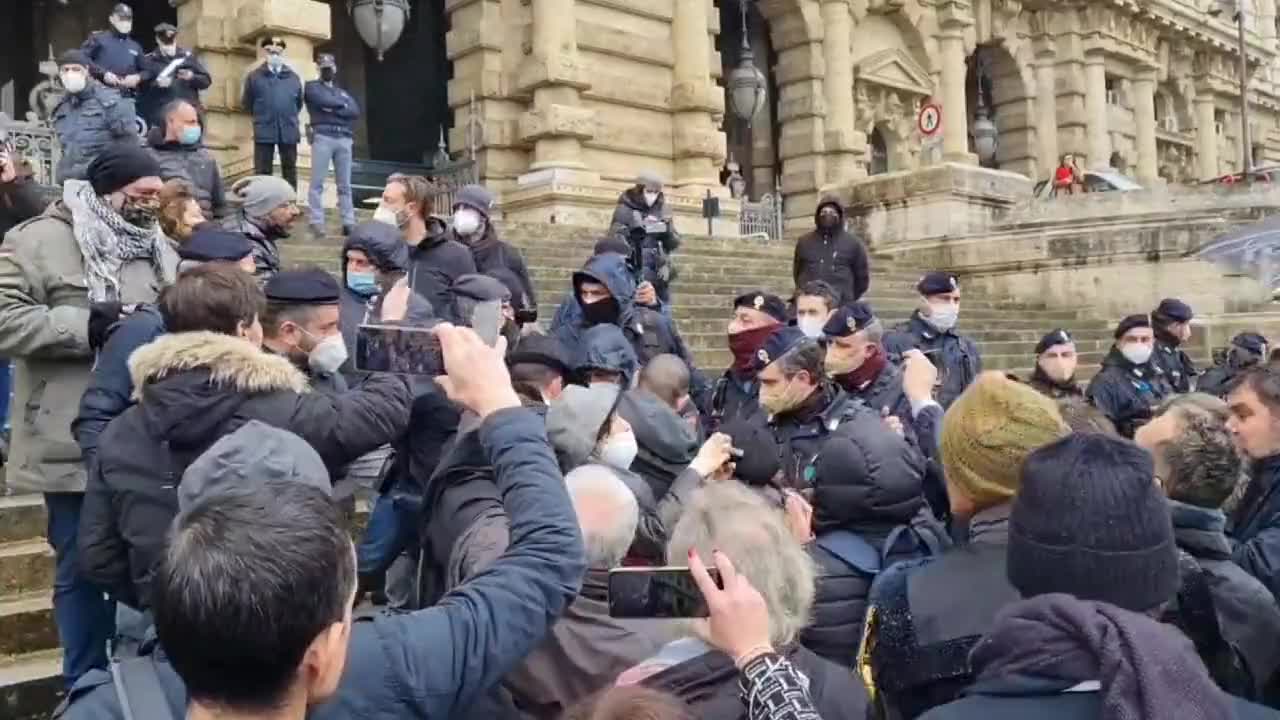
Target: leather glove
pixel 102 315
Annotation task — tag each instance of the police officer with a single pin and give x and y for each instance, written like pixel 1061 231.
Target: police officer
pixel 301 323
pixel 1171 322
pixel 931 330
pixel 1056 361
pixel 803 406
pixel 273 93
pixel 115 58
pixel 734 396
pixel 1130 385
pixel 333 113
pixel 1247 350
pixel 166 81
pixel 88 118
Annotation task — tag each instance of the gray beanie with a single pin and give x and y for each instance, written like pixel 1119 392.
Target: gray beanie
pixel 250 457
pixel 649 178
pixel 574 421
pixel 475 196
pixel 260 194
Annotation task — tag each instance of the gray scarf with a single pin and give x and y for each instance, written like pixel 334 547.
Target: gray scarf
pixel 107 242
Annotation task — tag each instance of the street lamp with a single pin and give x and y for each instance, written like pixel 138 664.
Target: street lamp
pixel 1237 9
pixel 747 86
pixel 379 22
pixel 985 134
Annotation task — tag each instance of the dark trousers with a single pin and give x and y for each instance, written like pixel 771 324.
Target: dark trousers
pixel 264 161
pixel 85 618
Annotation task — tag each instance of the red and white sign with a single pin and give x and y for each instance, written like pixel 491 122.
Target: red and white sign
pixel 930 119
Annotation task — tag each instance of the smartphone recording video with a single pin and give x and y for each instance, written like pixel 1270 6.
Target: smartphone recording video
pixel 398 349
pixel 659 593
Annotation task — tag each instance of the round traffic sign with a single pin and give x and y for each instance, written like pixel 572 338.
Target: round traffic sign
pixel 930 119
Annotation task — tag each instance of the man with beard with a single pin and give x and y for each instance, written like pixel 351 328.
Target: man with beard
pixel 756 315
pixel 1247 350
pixel 931 330
pixel 1131 384
pixel 435 260
pixel 1056 360
pixel 832 254
pixel 1255 525
pixel 268 210
pixel 1171 322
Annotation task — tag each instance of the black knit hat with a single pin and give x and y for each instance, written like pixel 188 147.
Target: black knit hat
pixel 769 304
pixel 1054 337
pixel 1089 521
pixel 120 164
pixel 1131 322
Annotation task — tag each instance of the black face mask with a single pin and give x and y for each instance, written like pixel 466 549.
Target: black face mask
pixel 601 312
pixel 326 74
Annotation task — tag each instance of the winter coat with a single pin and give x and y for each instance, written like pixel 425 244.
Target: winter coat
pixel 44 329
pixel 584 652
pixel 1244 621
pixel 667 443
pixel 957 356
pixel 1177 366
pixel 20 201
pixel 436 662
pixel 192 389
pixel 333 111
pixel 1218 378
pixel 110 390
pixel 926 615
pixel 605 347
pixel 801 433
pixel 631 215
pixel 110 52
pixel 266 253
pixel 836 257
pixel 435 264
pixel 490 254
pixel 1126 393
pixel 708 681
pixel 86 123
pixel 1255 527
pixel 195 165
pixel 274 100
pixel 154 98
pixel 730 398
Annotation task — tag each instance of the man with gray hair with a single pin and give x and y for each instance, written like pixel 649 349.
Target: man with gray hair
pixel 586 649
pixel 268 208
pixel 1229 614
pixel 729 518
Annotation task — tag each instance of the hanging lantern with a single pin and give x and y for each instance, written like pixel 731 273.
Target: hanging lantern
pixel 985 136
pixel 748 87
pixel 379 22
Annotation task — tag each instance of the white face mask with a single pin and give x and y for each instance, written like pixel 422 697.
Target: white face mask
pixel 619 451
pixel 466 221
pixel 328 355
pixel 124 27
pixel 810 326
pixel 650 198
pixel 74 82
pixel 1136 353
pixel 943 317
pixel 386 215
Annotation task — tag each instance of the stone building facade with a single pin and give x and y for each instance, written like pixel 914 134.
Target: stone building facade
pixel 565 100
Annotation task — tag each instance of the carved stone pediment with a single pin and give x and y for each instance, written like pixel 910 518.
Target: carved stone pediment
pixel 894 68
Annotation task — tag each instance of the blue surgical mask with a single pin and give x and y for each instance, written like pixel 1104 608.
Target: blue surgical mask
pixel 364 284
pixel 190 135
pixel 275 62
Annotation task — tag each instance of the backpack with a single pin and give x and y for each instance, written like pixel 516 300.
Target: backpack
pixel 854 550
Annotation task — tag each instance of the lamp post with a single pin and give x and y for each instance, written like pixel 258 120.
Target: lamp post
pixel 986 140
pixel 379 22
pixel 747 86
pixel 1246 141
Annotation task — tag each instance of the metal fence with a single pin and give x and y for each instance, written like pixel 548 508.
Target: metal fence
pixel 449 179
pixel 35 143
pixel 762 219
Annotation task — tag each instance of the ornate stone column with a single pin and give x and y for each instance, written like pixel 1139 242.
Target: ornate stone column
pixel 1206 134
pixel 556 125
pixel 1046 105
pixel 845 145
pixel 954 17
pixel 1144 118
pixel 1095 107
pixel 698 145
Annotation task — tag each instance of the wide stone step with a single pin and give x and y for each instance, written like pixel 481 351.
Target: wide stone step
pixel 25 566
pixel 26 623
pixel 22 517
pixel 980 333
pixel 30 685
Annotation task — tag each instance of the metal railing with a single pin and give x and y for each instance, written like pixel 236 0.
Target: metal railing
pixel 762 220
pixel 449 179
pixel 34 143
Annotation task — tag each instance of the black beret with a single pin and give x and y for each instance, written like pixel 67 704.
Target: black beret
pixel 849 320
pixel 120 164
pixel 538 349
pixel 1055 337
pixel 782 341
pixel 1174 310
pixel 210 243
pixel 937 283
pixel 1131 322
pixel 165 28
pixel 1251 341
pixel 74 56
pixel 770 305
pixel 302 287
pixel 480 287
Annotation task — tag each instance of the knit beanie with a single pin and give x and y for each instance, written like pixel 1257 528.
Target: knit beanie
pixel 987 433
pixel 260 194
pixel 1089 521
pixel 120 164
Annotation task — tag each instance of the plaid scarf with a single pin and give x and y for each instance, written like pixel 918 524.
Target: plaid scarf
pixel 107 242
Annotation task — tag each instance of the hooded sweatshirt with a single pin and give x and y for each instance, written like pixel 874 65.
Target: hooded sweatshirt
pixel 833 255
pixel 604 347
pixel 667 443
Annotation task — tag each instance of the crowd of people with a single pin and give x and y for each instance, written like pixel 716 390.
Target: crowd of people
pixel 878 527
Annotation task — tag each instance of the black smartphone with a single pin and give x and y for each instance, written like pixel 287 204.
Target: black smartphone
pixel 398 349
pixel 662 592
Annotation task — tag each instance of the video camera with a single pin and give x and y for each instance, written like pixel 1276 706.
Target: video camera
pixel 649 243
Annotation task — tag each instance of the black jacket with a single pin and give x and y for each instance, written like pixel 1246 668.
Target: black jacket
pixel 490 254
pixel 1177 366
pixel 926 615
pixel 333 111
pixel 732 397
pixel 801 433
pixel 435 264
pixel 196 166
pixel 1126 393
pixel 154 97
pixel 667 443
pixel 1237 618
pixel 110 52
pixel 435 663
pixel 194 388
pixel 1255 527
pixel 836 257
pixel 274 100
pixel 958 358
pixel 20 201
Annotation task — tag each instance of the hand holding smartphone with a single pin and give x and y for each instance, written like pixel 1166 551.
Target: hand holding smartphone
pixel 656 593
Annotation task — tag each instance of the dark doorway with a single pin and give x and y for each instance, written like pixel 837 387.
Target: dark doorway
pixel 879 153
pixel 754 147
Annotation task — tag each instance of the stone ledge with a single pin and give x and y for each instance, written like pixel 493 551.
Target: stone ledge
pixel 306 18
pixel 557 121
pixel 560 70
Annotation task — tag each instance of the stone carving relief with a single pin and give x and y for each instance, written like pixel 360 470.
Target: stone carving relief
pixel 890 87
pixel 1177 163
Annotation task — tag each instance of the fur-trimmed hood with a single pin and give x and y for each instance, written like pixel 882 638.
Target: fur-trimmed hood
pixel 189 385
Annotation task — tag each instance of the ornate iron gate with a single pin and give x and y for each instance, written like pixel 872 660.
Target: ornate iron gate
pixel 762 219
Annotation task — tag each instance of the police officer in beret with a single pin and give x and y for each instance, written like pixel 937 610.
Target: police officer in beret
pixel 756 315
pixel 1247 350
pixel 301 323
pixel 802 405
pixel 1171 321
pixel 1056 361
pixel 115 58
pixel 932 330
pixel 1130 385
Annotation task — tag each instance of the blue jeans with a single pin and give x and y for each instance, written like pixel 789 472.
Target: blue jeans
pixel 324 150
pixel 85 617
pixel 390 532
pixel 6 389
